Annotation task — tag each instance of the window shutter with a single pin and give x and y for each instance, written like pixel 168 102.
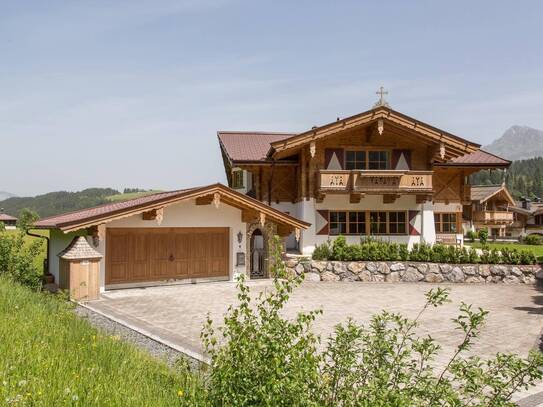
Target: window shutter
pixel 414 226
pixel 401 159
pixel 333 159
pixel 321 222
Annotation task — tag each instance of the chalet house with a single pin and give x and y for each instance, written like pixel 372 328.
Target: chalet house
pixel 379 174
pixel 528 218
pixel 10 222
pixel 492 208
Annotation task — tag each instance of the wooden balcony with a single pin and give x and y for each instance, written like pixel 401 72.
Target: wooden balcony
pixel 375 181
pixel 496 217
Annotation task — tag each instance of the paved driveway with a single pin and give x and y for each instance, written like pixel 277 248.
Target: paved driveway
pixel 175 314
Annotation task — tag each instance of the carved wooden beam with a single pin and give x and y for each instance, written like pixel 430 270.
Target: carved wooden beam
pixel 390 198
pixel 204 200
pixel 149 215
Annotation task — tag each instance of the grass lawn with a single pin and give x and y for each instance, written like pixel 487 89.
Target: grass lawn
pixel 537 249
pixel 50 357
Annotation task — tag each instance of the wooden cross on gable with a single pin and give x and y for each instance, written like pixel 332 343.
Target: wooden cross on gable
pixel 381 102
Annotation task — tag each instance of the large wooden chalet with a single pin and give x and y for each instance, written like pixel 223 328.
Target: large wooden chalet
pixel 379 173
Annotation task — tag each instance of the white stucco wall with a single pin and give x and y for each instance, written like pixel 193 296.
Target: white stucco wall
pixel 183 214
pixel 307 212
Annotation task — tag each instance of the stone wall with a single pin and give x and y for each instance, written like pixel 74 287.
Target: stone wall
pixel 410 272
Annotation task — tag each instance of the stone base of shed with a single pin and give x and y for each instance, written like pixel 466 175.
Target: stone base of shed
pixel 411 272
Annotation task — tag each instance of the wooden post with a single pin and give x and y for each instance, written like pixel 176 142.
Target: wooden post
pixel 304 174
pixel 312 177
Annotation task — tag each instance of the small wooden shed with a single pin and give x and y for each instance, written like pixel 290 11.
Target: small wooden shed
pixel 80 270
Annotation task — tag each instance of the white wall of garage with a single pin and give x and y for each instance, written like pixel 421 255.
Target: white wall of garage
pixel 182 214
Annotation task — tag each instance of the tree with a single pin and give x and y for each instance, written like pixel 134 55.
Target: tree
pixel 27 218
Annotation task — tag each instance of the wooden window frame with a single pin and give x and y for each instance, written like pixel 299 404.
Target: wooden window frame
pixel 438 223
pixel 238 183
pixel 367 223
pixel 367 157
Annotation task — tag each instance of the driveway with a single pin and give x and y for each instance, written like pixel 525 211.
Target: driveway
pixel 175 314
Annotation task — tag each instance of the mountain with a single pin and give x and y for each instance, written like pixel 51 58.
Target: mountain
pixel 54 203
pixel 5 195
pixel 518 143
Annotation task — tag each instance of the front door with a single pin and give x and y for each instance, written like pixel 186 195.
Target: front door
pixel 258 255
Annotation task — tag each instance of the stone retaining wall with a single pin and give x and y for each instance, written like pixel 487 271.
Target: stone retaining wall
pixel 410 272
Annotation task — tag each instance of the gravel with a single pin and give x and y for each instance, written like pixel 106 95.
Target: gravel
pixel 154 348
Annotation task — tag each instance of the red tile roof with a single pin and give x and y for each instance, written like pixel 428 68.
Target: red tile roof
pixel 5 216
pixel 105 209
pixel 250 145
pixel 99 214
pixel 478 158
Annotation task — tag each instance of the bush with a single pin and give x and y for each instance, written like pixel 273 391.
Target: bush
pixel 532 239
pixel 483 236
pixel 471 235
pixel 260 358
pixel 18 257
pixel 322 251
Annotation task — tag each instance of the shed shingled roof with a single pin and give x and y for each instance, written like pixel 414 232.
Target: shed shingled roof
pixel 6 217
pixel 480 192
pixel 479 157
pixel 79 249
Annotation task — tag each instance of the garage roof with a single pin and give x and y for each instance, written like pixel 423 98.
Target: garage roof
pixel 106 213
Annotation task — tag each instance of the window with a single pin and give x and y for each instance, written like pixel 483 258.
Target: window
pixel 378 223
pixel 357 223
pixel 397 223
pixel 338 223
pixel 355 160
pixel 539 220
pixel 378 160
pixel 445 222
pixel 237 179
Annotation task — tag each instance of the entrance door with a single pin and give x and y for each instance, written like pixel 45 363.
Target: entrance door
pixel 154 254
pixel 258 255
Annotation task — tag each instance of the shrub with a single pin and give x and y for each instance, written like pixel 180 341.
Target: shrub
pixel 532 239
pixel 339 247
pixel 483 236
pixel 471 235
pixel 18 257
pixel 322 251
pixel 261 358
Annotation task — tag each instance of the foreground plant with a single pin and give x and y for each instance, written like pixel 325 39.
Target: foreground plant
pixel 261 358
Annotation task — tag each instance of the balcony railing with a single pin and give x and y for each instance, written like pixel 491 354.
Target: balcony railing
pixel 378 181
pixel 493 216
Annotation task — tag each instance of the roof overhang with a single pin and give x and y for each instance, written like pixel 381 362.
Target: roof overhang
pixel 503 190
pixel 227 196
pixel 458 144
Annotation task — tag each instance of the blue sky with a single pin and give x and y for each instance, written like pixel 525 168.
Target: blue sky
pixel 131 94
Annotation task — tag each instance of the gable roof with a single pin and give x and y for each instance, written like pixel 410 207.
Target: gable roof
pixel 248 146
pixel 380 112
pixel 482 193
pixel 106 213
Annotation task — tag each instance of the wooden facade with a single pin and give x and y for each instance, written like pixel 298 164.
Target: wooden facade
pixel 307 172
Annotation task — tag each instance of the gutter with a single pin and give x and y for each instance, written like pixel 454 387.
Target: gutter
pixel 46 262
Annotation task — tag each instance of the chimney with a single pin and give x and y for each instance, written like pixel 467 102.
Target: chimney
pixel 525 203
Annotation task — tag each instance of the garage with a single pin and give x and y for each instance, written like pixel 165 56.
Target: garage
pixel 189 235
pixel 155 254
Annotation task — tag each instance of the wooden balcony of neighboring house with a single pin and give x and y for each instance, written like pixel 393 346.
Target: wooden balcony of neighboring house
pixel 375 182
pixel 493 217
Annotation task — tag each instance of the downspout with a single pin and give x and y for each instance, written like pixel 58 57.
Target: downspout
pixel 46 262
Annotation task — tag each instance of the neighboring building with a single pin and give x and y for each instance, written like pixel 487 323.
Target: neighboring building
pixel 528 217
pixel 379 173
pixel 197 234
pixel 492 208
pixel 9 222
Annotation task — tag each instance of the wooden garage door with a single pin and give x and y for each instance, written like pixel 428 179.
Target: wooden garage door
pixel 153 254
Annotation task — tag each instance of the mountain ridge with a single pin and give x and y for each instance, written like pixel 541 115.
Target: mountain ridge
pixel 518 143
